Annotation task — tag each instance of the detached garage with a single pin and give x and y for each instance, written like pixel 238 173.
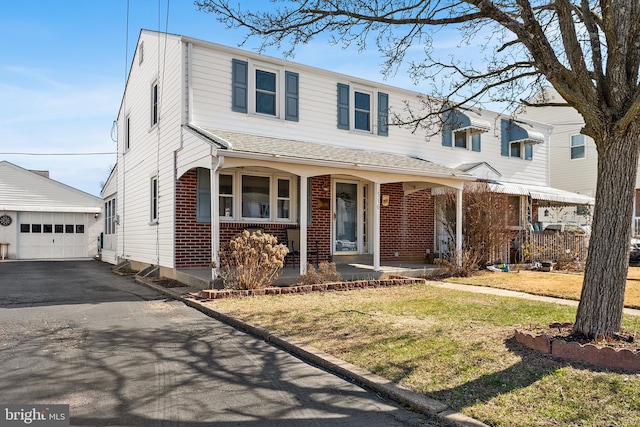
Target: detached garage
pixel 44 219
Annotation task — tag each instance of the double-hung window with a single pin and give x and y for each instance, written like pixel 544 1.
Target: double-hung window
pixel 283 198
pixel 154 200
pixel 226 196
pixel 460 139
pixel 362 110
pixel 127 133
pixel 264 89
pixel 265 92
pixel 154 104
pixel 578 147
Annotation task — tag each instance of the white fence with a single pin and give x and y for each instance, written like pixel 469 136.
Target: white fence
pixel 551 246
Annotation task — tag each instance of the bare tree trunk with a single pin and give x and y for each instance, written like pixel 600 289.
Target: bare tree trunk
pixel 602 300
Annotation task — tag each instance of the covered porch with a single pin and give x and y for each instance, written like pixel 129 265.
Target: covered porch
pixel 343 202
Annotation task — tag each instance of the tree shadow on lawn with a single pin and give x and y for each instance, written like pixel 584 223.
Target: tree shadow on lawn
pixel 532 367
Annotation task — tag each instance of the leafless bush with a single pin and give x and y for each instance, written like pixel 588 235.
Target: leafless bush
pixel 251 261
pixel 487 217
pixel 449 266
pixel 326 272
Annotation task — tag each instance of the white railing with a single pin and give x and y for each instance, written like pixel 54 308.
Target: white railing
pixel 551 246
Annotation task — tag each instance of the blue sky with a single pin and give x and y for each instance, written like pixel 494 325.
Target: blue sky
pixel 63 67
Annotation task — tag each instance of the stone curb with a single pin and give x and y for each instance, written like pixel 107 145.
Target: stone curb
pixel 332 364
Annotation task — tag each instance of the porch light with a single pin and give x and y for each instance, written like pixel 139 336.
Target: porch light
pixel 546 212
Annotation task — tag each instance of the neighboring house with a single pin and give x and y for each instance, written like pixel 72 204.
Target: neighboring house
pixel 573 156
pixel 109 242
pixel 44 219
pixel 213 140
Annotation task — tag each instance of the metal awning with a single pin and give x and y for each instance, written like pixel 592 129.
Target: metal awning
pixel 524 133
pixel 469 120
pixel 537 192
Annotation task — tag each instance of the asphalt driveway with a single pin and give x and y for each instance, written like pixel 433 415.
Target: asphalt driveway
pixel 121 354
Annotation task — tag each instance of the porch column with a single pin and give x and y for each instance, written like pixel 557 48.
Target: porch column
pixel 459 227
pixel 304 191
pixel 376 226
pixel 214 176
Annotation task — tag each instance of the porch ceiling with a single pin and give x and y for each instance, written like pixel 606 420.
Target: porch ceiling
pixel 236 144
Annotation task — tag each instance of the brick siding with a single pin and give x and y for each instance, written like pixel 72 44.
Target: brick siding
pixel 406 224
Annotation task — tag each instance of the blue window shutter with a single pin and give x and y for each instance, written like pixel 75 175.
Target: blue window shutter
pixel 383 114
pixel 505 137
pixel 447 132
pixel 291 96
pixel 343 106
pixel 528 152
pixel 203 196
pixel 240 86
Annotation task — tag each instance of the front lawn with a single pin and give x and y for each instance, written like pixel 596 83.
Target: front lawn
pixel 555 284
pixel 456 347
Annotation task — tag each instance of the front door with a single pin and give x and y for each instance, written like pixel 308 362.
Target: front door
pixel 346 225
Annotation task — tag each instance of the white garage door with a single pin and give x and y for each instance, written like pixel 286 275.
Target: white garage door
pixel 52 235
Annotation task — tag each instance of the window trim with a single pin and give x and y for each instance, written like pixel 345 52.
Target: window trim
pixel 355 110
pixel 236 197
pixel 583 145
pixel 127 132
pixel 378 118
pixel 155 103
pixel 244 90
pixel 154 200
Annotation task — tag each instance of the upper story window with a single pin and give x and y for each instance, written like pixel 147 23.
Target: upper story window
pixel 464 129
pixel 517 139
pixel 362 111
pixel 154 104
pixel 275 91
pixel 154 200
pixel 127 133
pixel 578 147
pixel 265 92
pixel 521 150
pixel 357 110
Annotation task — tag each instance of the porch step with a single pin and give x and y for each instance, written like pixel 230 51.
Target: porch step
pixel 352 259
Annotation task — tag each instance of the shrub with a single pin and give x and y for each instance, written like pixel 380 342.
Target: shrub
pixel 251 261
pixel 326 272
pixel 449 267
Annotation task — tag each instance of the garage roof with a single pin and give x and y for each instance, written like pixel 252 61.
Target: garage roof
pixel 22 190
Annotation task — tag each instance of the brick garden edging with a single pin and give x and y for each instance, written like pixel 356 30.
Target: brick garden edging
pixel 594 354
pixel 303 289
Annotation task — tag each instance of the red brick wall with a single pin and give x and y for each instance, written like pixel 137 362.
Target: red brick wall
pixel 193 239
pixel 406 224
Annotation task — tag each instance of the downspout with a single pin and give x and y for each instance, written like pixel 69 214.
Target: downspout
pixel 189 83
pixel 304 191
pixel 459 227
pixel 216 165
pixel 376 226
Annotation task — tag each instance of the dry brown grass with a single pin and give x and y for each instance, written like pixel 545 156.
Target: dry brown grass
pixel 554 284
pixel 456 347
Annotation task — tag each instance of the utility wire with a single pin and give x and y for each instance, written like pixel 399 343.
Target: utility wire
pixel 58 154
